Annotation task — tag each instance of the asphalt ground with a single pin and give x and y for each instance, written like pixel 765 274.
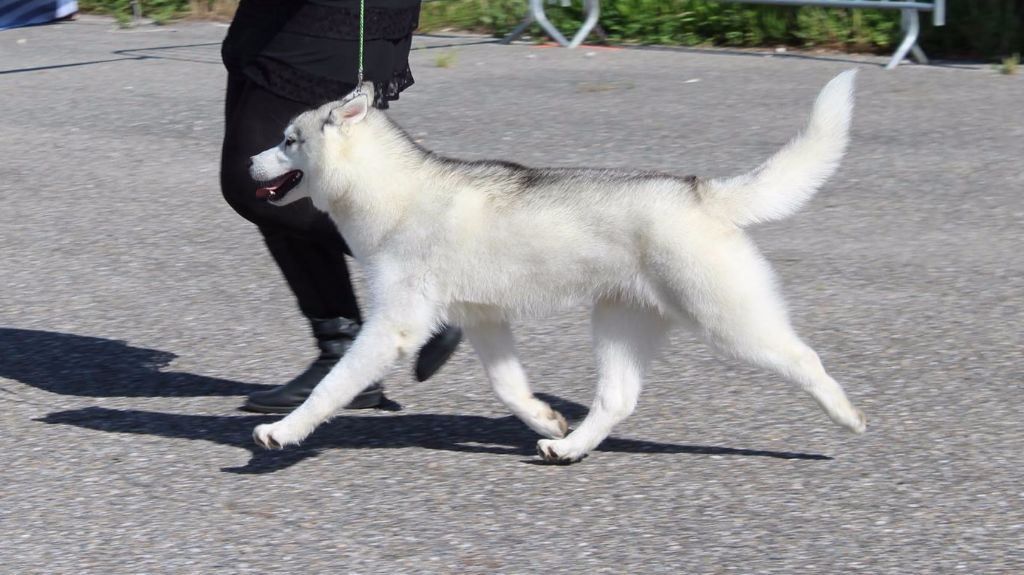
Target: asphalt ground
pixel 137 309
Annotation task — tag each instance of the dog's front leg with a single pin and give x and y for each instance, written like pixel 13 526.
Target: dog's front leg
pixel 396 327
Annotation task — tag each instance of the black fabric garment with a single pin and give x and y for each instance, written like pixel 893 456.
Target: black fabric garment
pixel 304 242
pixel 309 51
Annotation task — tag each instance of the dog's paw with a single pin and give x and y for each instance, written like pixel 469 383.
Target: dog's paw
pixel 857 423
pixel 557 452
pixel 849 417
pixel 550 423
pixel 272 436
pixel 542 418
pixel 559 422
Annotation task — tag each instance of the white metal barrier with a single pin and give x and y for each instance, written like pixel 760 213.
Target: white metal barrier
pixel 910 22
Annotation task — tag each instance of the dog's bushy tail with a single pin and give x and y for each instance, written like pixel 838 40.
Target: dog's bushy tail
pixel 780 186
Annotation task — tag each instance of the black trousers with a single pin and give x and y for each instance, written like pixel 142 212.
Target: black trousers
pixel 304 242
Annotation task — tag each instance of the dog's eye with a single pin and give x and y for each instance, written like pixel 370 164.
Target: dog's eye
pixel 289 141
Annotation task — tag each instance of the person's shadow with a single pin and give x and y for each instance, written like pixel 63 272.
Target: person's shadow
pixel 86 366
pixel 71 364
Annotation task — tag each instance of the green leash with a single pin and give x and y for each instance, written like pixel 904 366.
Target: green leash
pixel 362 19
pixel 358 91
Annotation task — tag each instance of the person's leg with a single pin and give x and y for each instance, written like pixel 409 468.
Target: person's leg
pixel 303 242
pixel 316 272
pixel 255 120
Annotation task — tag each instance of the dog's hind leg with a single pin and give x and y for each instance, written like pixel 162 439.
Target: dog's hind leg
pixel 496 348
pixel 626 338
pixel 785 354
pixel 794 360
pixel 740 312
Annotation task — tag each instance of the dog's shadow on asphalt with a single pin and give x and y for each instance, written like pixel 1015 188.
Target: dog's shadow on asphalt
pixel 85 366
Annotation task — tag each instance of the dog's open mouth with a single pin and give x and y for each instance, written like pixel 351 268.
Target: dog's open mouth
pixel 276 189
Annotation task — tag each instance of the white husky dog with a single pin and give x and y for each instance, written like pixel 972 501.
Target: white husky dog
pixel 478 244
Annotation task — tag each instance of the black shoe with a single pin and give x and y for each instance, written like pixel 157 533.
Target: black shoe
pixel 437 351
pixel 333 336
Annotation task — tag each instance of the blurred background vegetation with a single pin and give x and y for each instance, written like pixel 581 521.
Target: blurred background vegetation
pixel 990 29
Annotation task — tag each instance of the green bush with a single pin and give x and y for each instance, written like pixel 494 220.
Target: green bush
pixel 992 29
pixel 157 10
pixel 979 28
pixel 686 22
pixel 987 28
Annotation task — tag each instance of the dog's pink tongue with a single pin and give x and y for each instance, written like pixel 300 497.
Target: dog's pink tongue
pixel 270 190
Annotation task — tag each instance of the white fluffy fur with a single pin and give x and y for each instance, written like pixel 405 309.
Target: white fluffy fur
pixel 783 184
pixel 481 243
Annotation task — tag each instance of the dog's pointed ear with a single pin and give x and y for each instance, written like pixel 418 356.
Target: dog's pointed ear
pixel 351 112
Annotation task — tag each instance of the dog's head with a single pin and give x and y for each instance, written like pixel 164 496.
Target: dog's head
pixel 284 171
